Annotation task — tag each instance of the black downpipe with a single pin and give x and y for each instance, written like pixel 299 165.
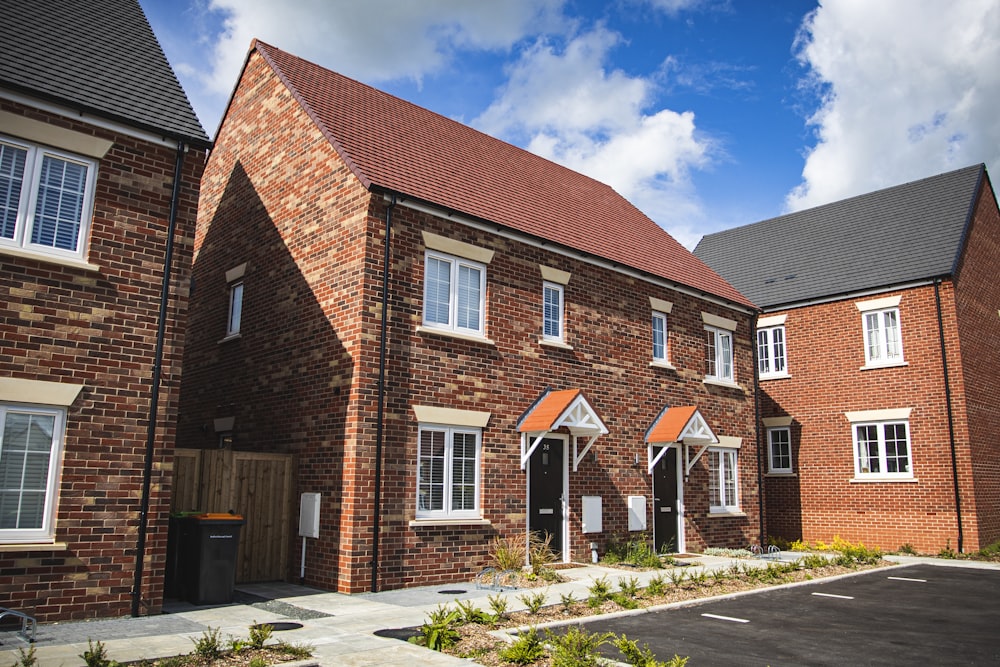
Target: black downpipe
pixel 154 400
pixel 756 425
pixel 380 419
pixel 951 416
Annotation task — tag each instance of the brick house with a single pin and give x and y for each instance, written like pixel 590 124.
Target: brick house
pixel 877 363
pixel 100 160
pixel 541 343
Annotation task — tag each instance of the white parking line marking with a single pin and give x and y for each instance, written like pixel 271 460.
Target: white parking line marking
pixel 920 581
pixel 831 595
pixel 727 618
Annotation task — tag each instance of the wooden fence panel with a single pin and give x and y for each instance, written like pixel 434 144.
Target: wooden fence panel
pixel 258 486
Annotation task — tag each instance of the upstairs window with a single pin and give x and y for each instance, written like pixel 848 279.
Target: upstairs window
pixel 771 352
pixel 46 199
pixel 235 308
pixel 718 354
pixel 660 338
pixel 883 345
pixel 553 311
pixel 454 293
pixel 448 472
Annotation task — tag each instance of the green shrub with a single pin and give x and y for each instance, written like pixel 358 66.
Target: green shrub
pixel 438 632
pixel 643 657
pixel 527 649
pixel 533 601
pixel 297 651
pixel 907 550
pixel 657 585
pixel 259 634
pixel 577 647
pixel 677 576
pixel 498 605
pixel 258 661
pixel 540 553
pixel 599 591
pixel 208 647
pixel 508 553
pixel 26 658
pixel 470 613
pixel 635 551
pixel 629 587
pixel 96 655
pixel 567 601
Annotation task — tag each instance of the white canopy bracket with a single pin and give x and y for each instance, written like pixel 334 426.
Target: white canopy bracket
pixel 579 457
pixel 688 461
pixel 526 450
pixel 652 459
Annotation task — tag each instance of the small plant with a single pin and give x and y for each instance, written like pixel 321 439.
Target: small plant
pixel 907 550
pixel 527 649
pixel 470 613
pixel 812 561
pixel 208 647
pixel 643 657
pixel 540 553
pixel 657 585
pixel 26 658
pixel 96 655
pixel 258 661
pixel 947 552
pixel 259 634
pixel 508 553
pixel 699 578
pixel 629 587
pixel 298 651
pixel 634 551
pixel 623 601
pixel 237 645
pixel 577 647
pixel 599 591
pixel 438 632
pixel 677 576
pixel 567 601
pixel 728 553
pixel 498 605
pixel 797 545
pixel 533 601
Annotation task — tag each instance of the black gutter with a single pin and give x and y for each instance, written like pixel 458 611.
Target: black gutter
pixel 147 472
pixel 756 425
pixel 951 416
pixel 380 419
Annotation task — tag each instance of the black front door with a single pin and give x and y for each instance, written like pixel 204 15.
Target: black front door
pixel 665 503
pixel 545 487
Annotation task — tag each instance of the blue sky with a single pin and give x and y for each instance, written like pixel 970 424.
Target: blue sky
pixel 706 114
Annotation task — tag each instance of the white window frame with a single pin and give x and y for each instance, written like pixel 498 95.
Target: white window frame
pixel 772 352
pixel 28 200
pixel 234 320
pixel 715 357
pixel 46 532
pixel 882 349
pixel 559 321
pixel 455 266
pixel 861 471
pixel 723 462
pixel 449 470
pixel 779 470
pixel 660 319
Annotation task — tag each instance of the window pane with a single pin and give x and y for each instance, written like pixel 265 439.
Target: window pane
pixel 552 327
pixel 59 208
pixel 714 460
pixel 729 477
pixel 430 471
pixel 468 297
pixel 778 341
pixel 710 353
pixel 235 307
pixel 868 461
pixel 897 456
pixel 874 344
pixel 659 337
pixel 463 472
pixel 437 290
pixel 12 162
pixel 726 356
pixel 891 334
pixel 763 352
pixel 25 452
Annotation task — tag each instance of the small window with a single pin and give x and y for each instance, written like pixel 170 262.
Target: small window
pixel 46 199
pixel 235 308
pixel 718 354
pixel 883 344
pixel 771 352
pixel 454 293
pixel 779 447
pixel 660 337
pixel 31 440
pixel 552 297
pixel 722 480
pixel 882 449
pixel 448 472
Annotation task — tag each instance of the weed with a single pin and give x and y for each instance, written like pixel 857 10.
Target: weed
pixel 533 601
pixel 577 647
pixel 947 552
pixel 299 651
pixel 657 585
pixel 26 658
pixel 96 655
pixel 259 634
pixel 498 605
pixel 907 549
pixel 527 649
pixel 438 632
pixel 208 647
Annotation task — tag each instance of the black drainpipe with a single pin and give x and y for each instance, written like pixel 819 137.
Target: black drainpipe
pixel 380 419
pixel 951 416
pixel 757 422
pixel 154 399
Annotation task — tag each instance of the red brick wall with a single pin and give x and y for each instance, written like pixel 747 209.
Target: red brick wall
pixel 977 302
pixel 825 351
pixel 98 329
pixel 302 377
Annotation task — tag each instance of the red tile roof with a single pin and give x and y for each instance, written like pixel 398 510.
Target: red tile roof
pixel 671 424
pixel 547 411
pixel 395 145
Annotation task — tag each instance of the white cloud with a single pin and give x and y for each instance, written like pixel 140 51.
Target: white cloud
pixel 373 41
pixel 910 89
pixel 566 106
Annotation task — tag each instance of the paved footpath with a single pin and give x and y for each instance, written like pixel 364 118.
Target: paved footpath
pixel 340 628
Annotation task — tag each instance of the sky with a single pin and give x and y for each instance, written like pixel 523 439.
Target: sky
pixel 705 114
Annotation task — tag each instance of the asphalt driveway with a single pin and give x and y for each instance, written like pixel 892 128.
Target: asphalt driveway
pixel 916 615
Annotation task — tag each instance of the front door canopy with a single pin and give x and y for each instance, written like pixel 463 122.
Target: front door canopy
pixel 682 424
pixel 553 410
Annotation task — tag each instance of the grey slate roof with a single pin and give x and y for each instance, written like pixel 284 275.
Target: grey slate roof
pixel 100 56
pixel 902 234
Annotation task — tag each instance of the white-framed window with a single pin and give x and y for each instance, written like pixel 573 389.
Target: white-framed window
pixel 723 486
pixel 883 343
pixel 779 450
pixel 882 449
pixel 454 293
pixel 553 311
pixel 771 352
pixel 448 472
pixel 46 199
pixel 31 441
pixel 660 337
pixel 235 319
pixel 718 354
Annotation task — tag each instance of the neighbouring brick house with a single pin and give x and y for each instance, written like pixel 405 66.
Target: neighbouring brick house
pixel 93 125
pixel 878 365
pixel 551 356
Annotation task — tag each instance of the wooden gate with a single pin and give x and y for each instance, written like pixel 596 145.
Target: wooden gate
pixel 256 485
